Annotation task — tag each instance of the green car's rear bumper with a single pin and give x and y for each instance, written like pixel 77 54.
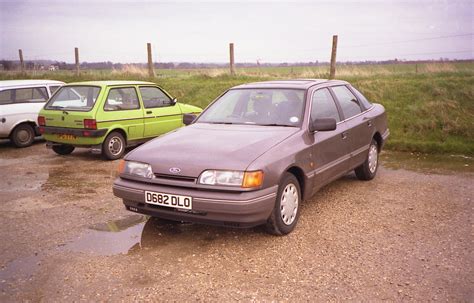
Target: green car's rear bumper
pixel 73 136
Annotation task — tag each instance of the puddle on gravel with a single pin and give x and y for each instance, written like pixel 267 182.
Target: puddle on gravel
pixel 110 238
pixel 20 268
pixel 427 163
pixel 137 232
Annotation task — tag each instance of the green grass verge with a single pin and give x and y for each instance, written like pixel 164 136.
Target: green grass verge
pixel 430 107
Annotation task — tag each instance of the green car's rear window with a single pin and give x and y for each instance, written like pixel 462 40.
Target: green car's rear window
pixel 74 98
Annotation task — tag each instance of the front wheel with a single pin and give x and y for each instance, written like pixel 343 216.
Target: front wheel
pixel 286 212
pixel 63 149
pixel 114 146
pixel 23 135
pixel 367 170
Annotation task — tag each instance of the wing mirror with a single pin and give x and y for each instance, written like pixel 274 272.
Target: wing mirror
pixel 188 119
pixel 174 101
pixel 323 124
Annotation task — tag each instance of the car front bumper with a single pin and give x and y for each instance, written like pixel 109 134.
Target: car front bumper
pixel 237 209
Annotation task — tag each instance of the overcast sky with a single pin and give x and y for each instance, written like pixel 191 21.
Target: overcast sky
pixel 269 31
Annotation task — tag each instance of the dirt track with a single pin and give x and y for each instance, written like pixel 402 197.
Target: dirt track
pixel 406 235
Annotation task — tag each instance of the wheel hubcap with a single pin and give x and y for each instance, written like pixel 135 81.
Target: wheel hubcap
pixel 373 158
pixel 23 136
pixel 115 146
pixel 289 204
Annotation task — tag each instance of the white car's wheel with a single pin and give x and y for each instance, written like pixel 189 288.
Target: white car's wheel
pixel 23 135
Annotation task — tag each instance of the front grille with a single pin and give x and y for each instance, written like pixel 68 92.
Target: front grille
pixel 176 178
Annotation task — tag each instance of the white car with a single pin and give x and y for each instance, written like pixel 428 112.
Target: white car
pixel 20 103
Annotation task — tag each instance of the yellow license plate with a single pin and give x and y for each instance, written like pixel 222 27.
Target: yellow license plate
pixel 66 137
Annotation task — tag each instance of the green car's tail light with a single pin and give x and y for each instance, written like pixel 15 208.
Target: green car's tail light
pixel 41 121
pixel 90 124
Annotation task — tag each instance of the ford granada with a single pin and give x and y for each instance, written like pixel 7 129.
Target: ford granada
pixel 108 116
pixel 254 154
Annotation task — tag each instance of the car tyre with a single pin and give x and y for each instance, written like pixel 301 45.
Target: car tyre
pixel 114 146
pixel 63 149
pixel 286 212
pixel 23 135
pixel 368 169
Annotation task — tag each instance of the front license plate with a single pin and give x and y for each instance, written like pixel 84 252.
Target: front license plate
pixel 175 201
pixel 66 137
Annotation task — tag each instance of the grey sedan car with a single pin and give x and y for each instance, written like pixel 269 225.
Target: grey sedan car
pixel 255 153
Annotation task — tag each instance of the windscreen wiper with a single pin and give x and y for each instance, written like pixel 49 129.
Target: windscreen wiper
pixel 219 122
pixel 275 124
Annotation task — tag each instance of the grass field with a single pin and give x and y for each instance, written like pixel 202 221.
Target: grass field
pixel 430 106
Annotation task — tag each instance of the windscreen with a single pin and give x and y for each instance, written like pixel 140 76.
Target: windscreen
pixel 80 98
pixel 279 107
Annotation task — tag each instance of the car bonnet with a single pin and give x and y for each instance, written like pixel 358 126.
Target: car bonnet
pixel 190 150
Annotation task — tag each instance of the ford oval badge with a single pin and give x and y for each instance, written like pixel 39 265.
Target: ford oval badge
pixel 175 170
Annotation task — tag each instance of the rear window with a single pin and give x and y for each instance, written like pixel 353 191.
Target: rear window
pixel 23 95
pixel 74 98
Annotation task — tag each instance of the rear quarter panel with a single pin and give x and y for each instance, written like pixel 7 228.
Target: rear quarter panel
pixel 15 114
pixel 381 121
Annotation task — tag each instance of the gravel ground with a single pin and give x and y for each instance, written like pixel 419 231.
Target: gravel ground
pixel 407 235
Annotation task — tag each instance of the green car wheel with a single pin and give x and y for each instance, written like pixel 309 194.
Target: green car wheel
pixel 114 146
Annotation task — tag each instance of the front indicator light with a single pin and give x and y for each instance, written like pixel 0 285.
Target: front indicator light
pixel 253 179
pixel 121 166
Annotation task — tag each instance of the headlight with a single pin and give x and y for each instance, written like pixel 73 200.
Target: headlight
pixel 136 169
pixel 231 178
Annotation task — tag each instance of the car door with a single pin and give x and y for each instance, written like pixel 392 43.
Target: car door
pixel 359 128
pixel 330 151
pixel 122 108
pixel 161 113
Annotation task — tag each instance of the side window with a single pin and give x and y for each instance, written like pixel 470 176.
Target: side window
pixel 123 98
pixel 366 103
pixel 323 106
pixel 154 97
pixel 349 104
pixel 53 89
pixel 6 96
pixel 25 95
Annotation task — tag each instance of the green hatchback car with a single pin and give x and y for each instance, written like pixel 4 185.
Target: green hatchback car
pixel 108 116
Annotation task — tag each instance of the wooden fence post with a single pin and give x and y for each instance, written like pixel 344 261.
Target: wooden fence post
pixel 151 70
pixel 76 54
pixel 22 63
pixel 232 62
pixel 332 73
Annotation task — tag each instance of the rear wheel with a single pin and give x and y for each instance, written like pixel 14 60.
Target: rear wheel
pixel 63 149
pixel 23 135
pixel 368 169
pixel 286 212
pixel 114 146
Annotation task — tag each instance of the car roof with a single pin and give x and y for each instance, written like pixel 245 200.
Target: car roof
pixel 291 83
pixel 112 83
pixel 22 83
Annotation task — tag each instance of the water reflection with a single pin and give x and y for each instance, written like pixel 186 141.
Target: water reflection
pixel 136 232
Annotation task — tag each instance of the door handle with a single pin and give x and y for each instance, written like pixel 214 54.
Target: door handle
pixel 344 135
pixel 369 123
pixel 149 112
